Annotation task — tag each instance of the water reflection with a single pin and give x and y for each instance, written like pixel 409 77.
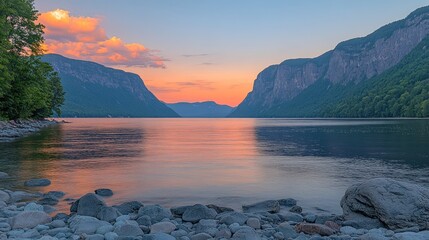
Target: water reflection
pixel 222 161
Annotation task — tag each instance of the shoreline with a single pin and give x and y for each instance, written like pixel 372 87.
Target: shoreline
pixel 14 129
pixel 33 216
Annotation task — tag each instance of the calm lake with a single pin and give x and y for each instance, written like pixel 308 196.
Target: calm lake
pixel 228 162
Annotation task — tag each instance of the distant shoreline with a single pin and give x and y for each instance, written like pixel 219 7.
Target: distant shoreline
pixel 14 129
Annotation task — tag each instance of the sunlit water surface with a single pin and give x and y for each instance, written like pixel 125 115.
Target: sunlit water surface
pixel 228 162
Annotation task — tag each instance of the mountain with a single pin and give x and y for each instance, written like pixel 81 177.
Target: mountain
pixel 93 90
pixel 201 109
pixel 314 87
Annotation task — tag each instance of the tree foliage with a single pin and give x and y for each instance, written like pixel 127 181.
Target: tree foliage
pixel 29 88
pixel 402 91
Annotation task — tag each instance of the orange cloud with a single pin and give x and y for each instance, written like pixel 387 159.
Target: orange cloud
pixel 84 38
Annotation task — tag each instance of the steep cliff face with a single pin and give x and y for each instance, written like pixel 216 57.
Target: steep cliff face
pixel 93 90
pixel 350 62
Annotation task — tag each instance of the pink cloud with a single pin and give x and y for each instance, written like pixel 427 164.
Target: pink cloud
pixel 84 38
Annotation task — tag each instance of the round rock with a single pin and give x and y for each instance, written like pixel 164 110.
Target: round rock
pixel 198 212
pixel 38 182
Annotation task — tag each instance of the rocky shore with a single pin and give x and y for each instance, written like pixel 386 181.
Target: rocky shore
pixel 378 209
pixel 11 130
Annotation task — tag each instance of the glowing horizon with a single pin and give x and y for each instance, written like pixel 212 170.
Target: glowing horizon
pixel 197 51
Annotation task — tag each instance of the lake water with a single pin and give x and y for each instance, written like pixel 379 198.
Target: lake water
pixel 228 162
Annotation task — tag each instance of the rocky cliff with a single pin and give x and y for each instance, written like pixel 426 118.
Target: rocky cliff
pixel 93 90
pixel 350 63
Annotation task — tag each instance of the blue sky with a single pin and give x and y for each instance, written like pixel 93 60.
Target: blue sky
pixel 232 40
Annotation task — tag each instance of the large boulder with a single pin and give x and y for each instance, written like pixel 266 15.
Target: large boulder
pixel 29 219
pixel 89 205
pixel 198 212
pixel 396 204
pixel 270 206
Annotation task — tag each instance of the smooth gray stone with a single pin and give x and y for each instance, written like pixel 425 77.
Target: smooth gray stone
pixel 201 236
pixel 108 214
pixel 396 204
pixel 104 192
pixel 253 223
pixel 271 206
pixel 53 232
pixel 128 229
pixel 179 211
pixel 411 236
pixel 105 229
pixel 311 218
pixel 111 236
pixel 246 233
pixel 144 220
pixel 232 217
pixel 158 236
pixel 287 230
pixel 162 227
pixel 33 207
pixel 179 233
pixel 58 223
pixel 95 237
pixel 90 205
pixel 129 207
pixel 207 226
pixel 279 235
pixel 290 216
pixel 85 224
pixel 198 212
pixel 29 219
pixel 155 212
pixel 4 196
pixel 30 234
pixel 223 233
pixel 19 196
pixel 38 182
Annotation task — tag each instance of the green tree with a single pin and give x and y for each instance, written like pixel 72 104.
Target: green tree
pixel 29 88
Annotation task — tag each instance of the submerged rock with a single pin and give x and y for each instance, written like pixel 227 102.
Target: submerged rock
pixel 104 192
pixel 219 209
pixel 129 207
pixel 396 204
pixel 270 206
pixel 39 182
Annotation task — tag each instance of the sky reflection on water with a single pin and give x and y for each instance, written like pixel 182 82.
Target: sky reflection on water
pixel 224 161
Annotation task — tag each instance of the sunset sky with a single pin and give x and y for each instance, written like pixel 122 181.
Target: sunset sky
pixel 207 49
